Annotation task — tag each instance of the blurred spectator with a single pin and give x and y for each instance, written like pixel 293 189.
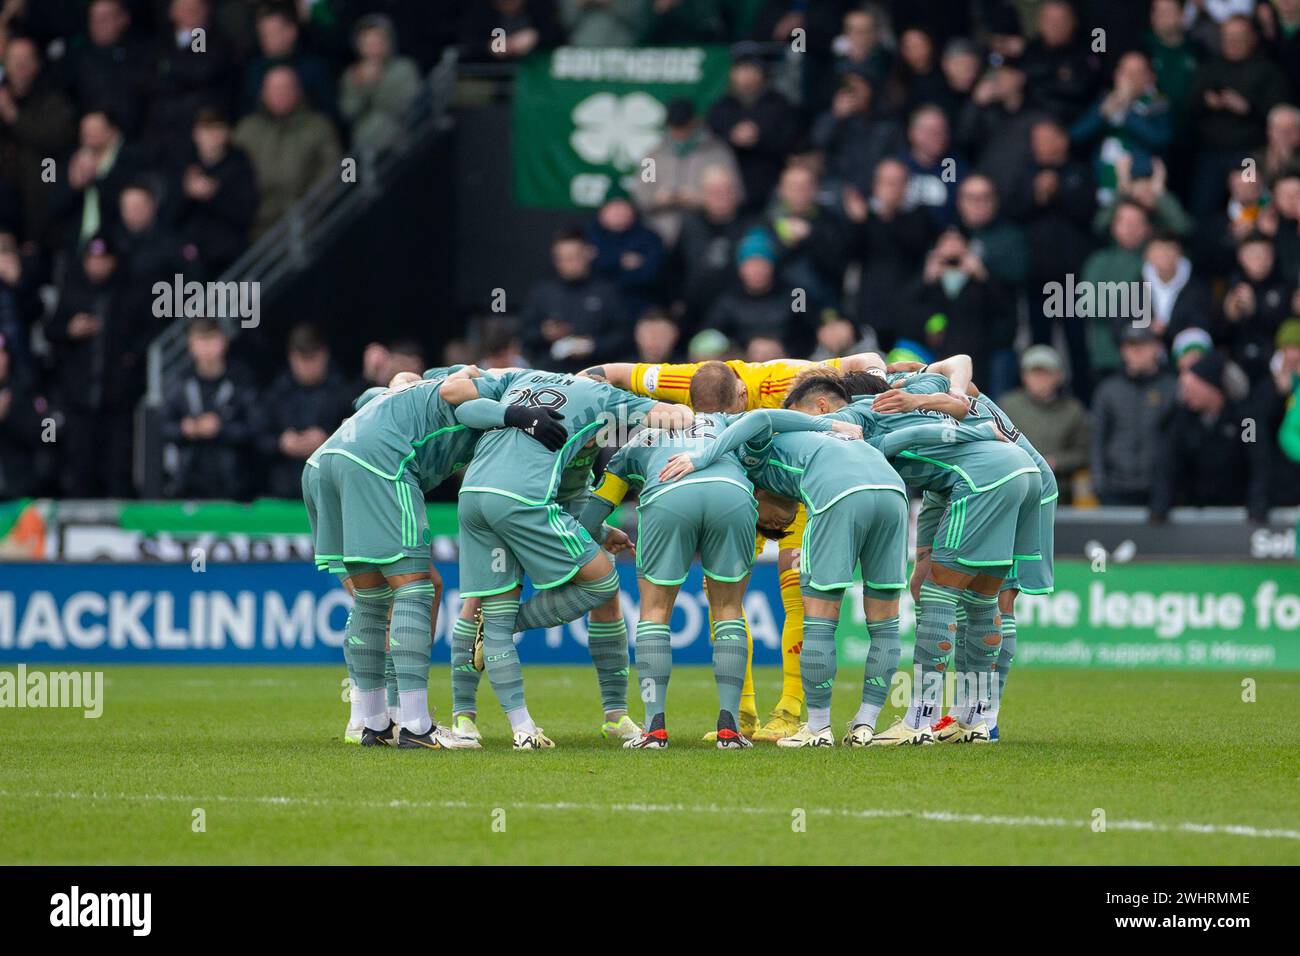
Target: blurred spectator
pixel 604 23
pixel 1058 231
pixel 1061 68
pixel 1230 99
pixel 1128 414
pixel 628 252
pixel 757 314
pixel 703 261
pixel 291 146
pixel 1281 220
pixel 1281 153
pixel 278 43
pixel 860 48
pixel 1279 22
pixel 999 246
pixel 1052 419
pixel 218 194
pixel 99 348
pixel 995 128
pixel 1173 60
pixel 853 134
pixel 890 242
pixel 299 411
pixel 1151 193
pixel 1244 213
pixel 810 239
pixel 1121 261
pixel 759 124
pixel 1257 301
pixel 377 91
pixel 499 345
pixel 36 126
pixel 524 25
pixel 20 306
pixel 681 159
pixel 917 79
pixel 1189 345
pixel 207 418
pixel 574 317
pixel 110 68
pixel 1202 459
pixel 1131 120
pixel 1179 299
pixel 955 307
pixel 683 22
pixel 656 337
pixel 194 71
pixel 151 251
pixel 86 200
pixel 21 415
pixel 961 65
pixel 1279 411
pixel 933 172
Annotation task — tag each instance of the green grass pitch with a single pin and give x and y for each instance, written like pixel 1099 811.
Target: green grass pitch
pixel 1184 770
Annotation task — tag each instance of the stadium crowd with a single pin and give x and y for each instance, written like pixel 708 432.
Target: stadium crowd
pixel 925 176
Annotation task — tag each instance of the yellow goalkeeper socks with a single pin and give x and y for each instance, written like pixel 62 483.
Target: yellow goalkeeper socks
pixel 791 643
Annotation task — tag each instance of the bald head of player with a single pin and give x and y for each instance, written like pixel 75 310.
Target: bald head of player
pixel 715 387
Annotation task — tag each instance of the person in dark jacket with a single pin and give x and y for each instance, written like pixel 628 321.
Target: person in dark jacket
pixel 628 253
pixel 1230 100
pixel 574 317
pixel 933 171
pixel 759 124
pixel 207 419
pixel 218 195
pixel 810 239
pixel 279 44
pixel 853 133
pixel 150 250
pixel 20 305
pixel 109 68
pixel 703 260
pixel 1203 460
pixel 1129 409
pixel 890 242
pixel 995 129
pixel 299 411
pixel 1061 69
pixel 86 200
pixel 23 417
pixel 1257 302
pixel 194 70
pixel 526 25
pixel 99 345
pixel 757 314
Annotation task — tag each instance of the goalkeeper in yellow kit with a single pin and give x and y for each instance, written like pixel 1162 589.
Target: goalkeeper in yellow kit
pixel 739 386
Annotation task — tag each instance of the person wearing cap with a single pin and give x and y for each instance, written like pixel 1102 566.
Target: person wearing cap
pixel 1129 408
pixel 757 314
pixel 688 151
pixel 1053 420
pixel 1202 459
pixel 757 122
pixel 1189 346
pixel 99 350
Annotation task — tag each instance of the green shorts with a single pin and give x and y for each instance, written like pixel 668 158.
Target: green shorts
pixel 502 539
pixel 364 518
pixel 310 495
pixel 1038 577
pixel 990 529
pixel 867 527
pixel 715 519
pixel 927 519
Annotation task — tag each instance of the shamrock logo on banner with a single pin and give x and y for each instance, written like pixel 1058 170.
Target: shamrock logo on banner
pixel 614 129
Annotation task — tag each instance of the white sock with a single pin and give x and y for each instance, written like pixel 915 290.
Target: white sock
pixel 374 708
pixel 519 720
pixel 920 714
pixel 357 714
pixel 819 718
pixel 395 714
pixel 415 710
pixel 867 714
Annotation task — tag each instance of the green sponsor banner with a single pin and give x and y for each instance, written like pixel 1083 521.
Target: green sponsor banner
pixel 1200 616
pixel 585 118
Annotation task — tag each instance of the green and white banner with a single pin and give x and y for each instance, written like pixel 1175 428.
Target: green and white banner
pixel 1146 614
pixel 585 118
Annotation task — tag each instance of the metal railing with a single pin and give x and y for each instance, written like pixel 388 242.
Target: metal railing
pixel 289 245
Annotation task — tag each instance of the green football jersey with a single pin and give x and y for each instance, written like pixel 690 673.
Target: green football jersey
pixel 575 480
pixel 939 463
pixel 508 462
pixel 818 468
pixel 408 431
pixel 639 461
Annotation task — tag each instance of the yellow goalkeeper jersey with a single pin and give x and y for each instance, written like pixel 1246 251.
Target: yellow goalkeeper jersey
pixel 765 382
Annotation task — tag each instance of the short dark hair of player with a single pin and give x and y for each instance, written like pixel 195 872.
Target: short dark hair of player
pixel 305 339
pixel 713 387
pixel 203 325
pixel 567 235
pixel 864 383
pixel 810 386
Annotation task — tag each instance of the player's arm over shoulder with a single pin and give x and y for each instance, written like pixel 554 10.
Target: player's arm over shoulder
pixel 857 362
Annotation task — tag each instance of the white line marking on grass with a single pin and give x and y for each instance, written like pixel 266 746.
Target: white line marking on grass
pixel 930 816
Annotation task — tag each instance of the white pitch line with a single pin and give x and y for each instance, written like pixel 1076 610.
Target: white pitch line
pixel 930 816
